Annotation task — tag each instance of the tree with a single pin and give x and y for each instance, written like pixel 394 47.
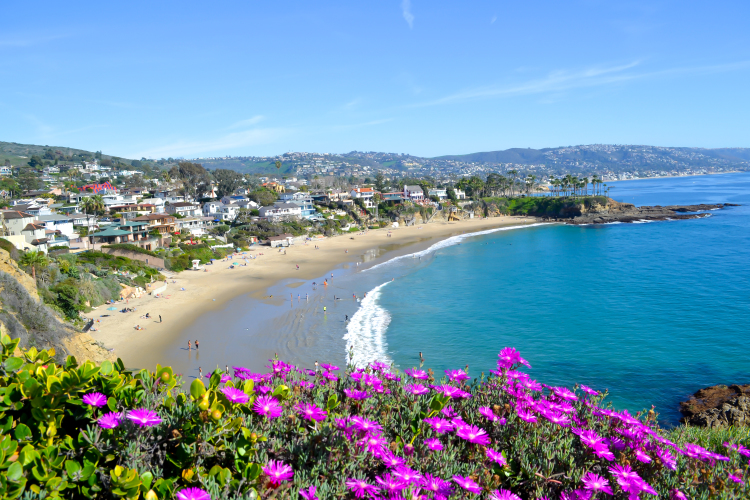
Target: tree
pixel 263 197
pixel 380 182
pixel 228 181
pixel 195 179
pixel 33 259
pixel 28 181
pixel 93 204
pixel 36 161
pixel 452 195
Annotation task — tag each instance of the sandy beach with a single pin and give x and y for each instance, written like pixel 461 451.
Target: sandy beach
pixel 191 294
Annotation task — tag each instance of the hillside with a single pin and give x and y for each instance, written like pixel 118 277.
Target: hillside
pixel 19 154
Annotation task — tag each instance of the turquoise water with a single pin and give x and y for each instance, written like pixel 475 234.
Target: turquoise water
pixel 650 311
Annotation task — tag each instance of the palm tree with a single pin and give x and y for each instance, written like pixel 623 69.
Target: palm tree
pixel 33 259
pixel 512 174
pixel 166 177
pixel 93 204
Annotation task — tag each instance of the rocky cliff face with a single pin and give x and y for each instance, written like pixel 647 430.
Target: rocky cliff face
pixel 24 316
pixel 626 212
pixel 718 406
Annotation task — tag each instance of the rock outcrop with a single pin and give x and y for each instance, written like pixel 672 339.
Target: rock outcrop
pixel 718 406
pixel 629 213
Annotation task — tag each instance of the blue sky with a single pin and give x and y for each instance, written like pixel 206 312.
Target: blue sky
pixel 160 79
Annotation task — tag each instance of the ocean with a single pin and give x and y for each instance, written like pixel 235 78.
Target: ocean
pixel 652 312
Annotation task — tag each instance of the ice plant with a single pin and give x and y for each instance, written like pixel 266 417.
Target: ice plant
pixel 502 494
pixel 468 484
pixel 439 425
pixel 309 493
pixel 109 420
pixel 355 394
pixel 192 494
pixel 364 425
pixel 95 399
pixel 267 406
pixel 416 389
pixel 144 418
pixel 360 487
pixel 417 374
pixel 473 434
pixel 496 457
pixel 433 444
pixel 596 483
pixel 311 412
pixel 235 395
pixel 277 472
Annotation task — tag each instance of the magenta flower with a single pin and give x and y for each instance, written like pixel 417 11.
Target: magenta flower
pixel 391 461
pixel 192 494
pixel 738 448
pixel 235 395
pixel 110 420
pixel 407 475
pixel 565 393
pixel 144 418
pixel 596 483
pixel 457 375
pixel 95 399
pixel 736 479
pixel 416 389
pixel 330 376
pixel 390 485
pixel 509 357
pixel 474 434
pixel 311 412
pixel 468 484
pixel 502 494
pixel 677 495
pixel 487 413
pixel 433 444
pixel 330 368
pixel 496 457
pixel 225 377
pixel 526 416
pixel 439 425
pixel 364 425
pixel 267 406
pixel 418 374
pixel 263 389
pixel 642 456
pixel 355 394
pixel 392 377
pixel 278 472
pixel 448 390
pixel 309 493
pixel 589 390
pixel 360 487
pixel 378 366
pixel 441 488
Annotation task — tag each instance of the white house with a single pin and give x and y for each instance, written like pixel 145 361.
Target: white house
pixel 280 210
pixel 51 169
pixel 158 204
pixel 5 170
pixel 58 222
pixel 364 194
pixel 413 193
pixel 195 226
pixel 184 208
pixel 461 195
pixel 83 220
pixel 440 193
pixel 220 211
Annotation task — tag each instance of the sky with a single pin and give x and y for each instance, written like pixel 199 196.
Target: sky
pixel 428 78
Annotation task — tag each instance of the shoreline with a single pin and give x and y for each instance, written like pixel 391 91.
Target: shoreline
pixel 197 293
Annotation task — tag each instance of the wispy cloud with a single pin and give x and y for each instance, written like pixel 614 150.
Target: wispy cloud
pixel 246 123
pixel 353 103
pixel 494 18
pixel 46 132
pixel 559 81
pixel 406 12
pixel 218 145
pixel 361 125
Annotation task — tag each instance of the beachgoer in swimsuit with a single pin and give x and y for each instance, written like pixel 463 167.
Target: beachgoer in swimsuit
pixel 190 346
pixel 196 345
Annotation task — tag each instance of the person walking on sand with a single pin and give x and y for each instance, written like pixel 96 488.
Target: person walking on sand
pixel 297 267
pixel 190 346
pixel 196 345
pixel 160 318
pixel 200 372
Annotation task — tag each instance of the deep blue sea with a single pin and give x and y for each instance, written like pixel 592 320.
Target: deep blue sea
pixel 650 311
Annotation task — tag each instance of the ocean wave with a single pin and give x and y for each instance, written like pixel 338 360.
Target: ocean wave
pixel 365 333
pixel 453 240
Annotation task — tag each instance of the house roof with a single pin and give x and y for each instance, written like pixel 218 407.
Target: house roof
pixel 364 190
pixel 413 188
pixel 16 214
pixel 111 231
pixel 54 217
pixel 33 227
pixel 150 217
pixel 183 204
pixel 39 241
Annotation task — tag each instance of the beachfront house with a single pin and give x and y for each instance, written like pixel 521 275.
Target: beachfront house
pixel 194 226
pixel 219 211
pixel 280 210
pixel 460 195
pixel 85 221
pixel 58 222
pixel 396 197
pixel 441 193
pixel 305 202
pixel 183 209
pixel 158 204
pixel 413 193
pixel 364 194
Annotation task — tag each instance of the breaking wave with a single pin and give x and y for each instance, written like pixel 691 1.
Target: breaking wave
pixel 365 333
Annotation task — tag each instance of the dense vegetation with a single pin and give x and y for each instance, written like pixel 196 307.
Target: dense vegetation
pixel 87 431
pixel 542 206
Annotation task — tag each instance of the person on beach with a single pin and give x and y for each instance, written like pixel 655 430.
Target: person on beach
pixel 196 345
pixel 200 372
pixel 346 318
pixel 297 267
pixel 324 308
pixel 160 318
pixel 190 346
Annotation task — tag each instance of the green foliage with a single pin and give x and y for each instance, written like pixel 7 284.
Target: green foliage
pixel 263 196
pixel 131 248
pixel 10 248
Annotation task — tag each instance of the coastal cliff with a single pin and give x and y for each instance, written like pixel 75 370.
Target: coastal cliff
pixel 615 211
pixel 718 406
pixel 23 316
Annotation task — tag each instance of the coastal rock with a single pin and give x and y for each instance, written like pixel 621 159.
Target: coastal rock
pixel 628 213
pixel 718 406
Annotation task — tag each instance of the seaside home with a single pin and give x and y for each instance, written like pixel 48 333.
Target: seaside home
pixel 158 204
pixel 5 170
pixel 460 195
pixel 283 240
pixel 36 235
pixel 364 194
pixel 396 197
pixel 220 211
pixel 194 226
pixel 413 193
pixel 303 200
pixel 164 224
pixel 280 210
pixel 442 194
pixel 84 221
pixel 183 209
pixel 58 222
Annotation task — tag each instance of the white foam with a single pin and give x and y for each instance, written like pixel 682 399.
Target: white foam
pixel 365 333
pixel 454 240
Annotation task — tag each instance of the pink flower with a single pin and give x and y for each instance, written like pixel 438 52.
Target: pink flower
pixel 433 444
pixel 356 394
pixel 309 493
pixel 502 494
pixel 457 375
pixel 589 390
pixel 439 425
pixel 416 389
pixel 595 483
pixel 311 412
pixel 193 494
pixel 736 479
pixel 390 485
pixel 144 418
pixel 95 399
pixel 364 425
pixel 496 457
pixel 235 395
pixel 418 374
pixel 468 484
pixel 267 406
pixel 278 472
pixel 360 487
pixel 474 434
pixel 110 420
